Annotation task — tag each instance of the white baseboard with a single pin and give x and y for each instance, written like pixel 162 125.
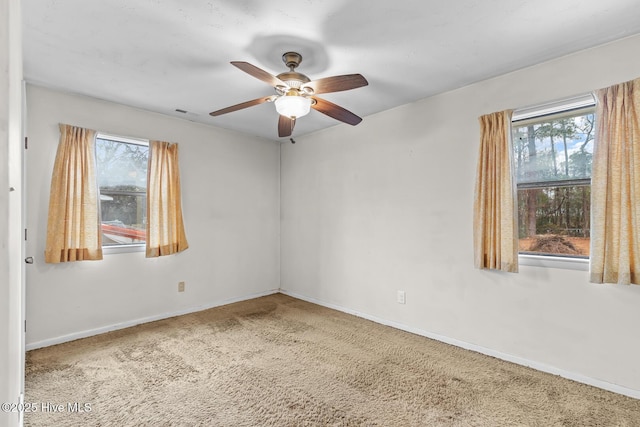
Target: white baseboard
pixel 479 349
pixel 129 323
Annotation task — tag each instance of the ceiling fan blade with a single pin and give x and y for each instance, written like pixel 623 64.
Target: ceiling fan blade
pixel 285 126
pixel 258 73
pixel 336 83
pixel 335 111
pixel 243 105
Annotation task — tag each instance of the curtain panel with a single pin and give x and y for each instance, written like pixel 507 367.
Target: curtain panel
pixel 73 224
pixel 495 228
pixel 615 183
pixel 165 227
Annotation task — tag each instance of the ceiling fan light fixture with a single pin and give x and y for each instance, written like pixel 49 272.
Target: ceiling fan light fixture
pixel 293 105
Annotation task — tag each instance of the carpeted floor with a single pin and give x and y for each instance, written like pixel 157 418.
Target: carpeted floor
pixel 279 361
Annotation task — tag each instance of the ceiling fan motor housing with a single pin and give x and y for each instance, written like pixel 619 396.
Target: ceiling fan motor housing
pixel 293 79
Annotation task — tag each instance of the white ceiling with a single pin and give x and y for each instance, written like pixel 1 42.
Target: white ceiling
pixel 163 55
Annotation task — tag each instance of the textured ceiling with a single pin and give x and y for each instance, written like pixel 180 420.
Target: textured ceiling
pixel 163 55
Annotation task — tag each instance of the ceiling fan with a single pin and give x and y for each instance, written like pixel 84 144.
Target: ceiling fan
pixel 296 93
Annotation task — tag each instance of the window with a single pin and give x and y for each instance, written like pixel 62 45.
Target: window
pixel 122 180
pixel 552 151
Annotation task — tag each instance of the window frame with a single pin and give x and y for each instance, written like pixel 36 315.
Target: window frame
pixel 126 247
pixel 585 103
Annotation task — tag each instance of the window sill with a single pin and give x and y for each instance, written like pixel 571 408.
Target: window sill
pixel 567 263
pixel 122 249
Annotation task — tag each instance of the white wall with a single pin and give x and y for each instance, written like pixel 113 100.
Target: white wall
pixel 11 303
pixel 231 207
pixel 387 205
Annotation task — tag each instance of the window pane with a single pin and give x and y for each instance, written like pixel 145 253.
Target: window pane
pixel 122 179
pixel 552 157
pixel 554 149
pixel 124 218
pixel 555 220
pixel 121 165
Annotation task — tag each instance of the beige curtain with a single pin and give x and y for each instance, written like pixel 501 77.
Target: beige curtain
pixel 73 227
pixel 165 229
pixel 615 186
pixel 495 236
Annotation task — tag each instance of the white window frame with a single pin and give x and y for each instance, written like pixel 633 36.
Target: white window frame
pixel 541 110
pixel 133 247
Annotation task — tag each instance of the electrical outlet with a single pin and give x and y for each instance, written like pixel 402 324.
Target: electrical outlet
pixel 180 286
pixel 402 299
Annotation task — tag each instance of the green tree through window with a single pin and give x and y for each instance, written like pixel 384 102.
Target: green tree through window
pixel 552 156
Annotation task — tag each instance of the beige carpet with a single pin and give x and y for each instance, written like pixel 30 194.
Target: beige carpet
pixel 278 361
